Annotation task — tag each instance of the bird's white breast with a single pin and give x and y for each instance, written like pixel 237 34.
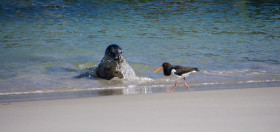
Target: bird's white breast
pixel 173 72
pixel 183 75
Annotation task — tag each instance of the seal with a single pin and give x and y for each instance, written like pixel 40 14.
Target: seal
pixel 109 67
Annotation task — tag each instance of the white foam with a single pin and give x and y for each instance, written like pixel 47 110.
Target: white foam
pixel 127 70
pixel 81 66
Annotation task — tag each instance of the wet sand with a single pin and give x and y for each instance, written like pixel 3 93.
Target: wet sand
pixel 242 110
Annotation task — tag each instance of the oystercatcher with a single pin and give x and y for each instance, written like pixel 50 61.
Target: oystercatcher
pixel 178 71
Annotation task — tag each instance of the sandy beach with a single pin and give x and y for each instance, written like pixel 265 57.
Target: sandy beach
pixel 234 110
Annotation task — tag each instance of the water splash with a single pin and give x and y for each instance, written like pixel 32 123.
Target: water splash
pixel 127 71
pixel 129 77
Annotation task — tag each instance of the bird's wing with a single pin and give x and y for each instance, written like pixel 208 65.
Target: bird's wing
pixel 182 70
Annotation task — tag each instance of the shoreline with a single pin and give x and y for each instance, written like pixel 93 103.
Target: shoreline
pixel 252 109
pixel 56 94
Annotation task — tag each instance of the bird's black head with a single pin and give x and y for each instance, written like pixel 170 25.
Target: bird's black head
pixel 167 69
pixel 166 65
pixel 114 52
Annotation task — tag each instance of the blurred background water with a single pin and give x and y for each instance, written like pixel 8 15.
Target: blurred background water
pixel 235 44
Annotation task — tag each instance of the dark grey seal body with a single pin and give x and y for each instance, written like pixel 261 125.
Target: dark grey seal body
pixel 110 66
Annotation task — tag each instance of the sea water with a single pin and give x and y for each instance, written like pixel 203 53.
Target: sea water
pixel 234 43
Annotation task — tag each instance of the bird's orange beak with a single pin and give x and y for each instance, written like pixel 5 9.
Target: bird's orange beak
pixel 158 69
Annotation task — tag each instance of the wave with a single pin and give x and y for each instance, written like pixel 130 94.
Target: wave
pixel 155 84
pixel 240 82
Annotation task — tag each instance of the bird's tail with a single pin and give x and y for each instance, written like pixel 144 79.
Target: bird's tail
pixel 195 69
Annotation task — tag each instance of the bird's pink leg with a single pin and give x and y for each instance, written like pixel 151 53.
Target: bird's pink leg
pixel 186 85
pixel 171 90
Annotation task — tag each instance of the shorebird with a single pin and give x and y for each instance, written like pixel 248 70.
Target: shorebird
pixel 178 71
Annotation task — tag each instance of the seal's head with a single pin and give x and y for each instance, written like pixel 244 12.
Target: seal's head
pixel 114 52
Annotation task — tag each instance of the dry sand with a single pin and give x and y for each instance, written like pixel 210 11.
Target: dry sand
pixel 235 110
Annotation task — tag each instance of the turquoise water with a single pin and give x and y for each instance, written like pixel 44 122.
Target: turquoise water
pixel 234 43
